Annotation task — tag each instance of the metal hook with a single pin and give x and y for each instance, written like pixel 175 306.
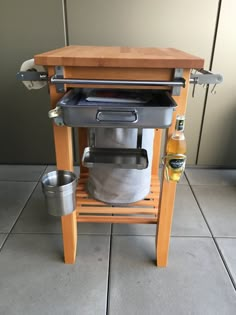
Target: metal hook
pixel 213 91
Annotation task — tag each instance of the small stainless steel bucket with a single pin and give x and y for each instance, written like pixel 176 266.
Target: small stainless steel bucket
pixel 59 190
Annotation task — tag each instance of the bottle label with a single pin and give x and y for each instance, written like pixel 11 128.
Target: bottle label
pixel 176 163
pixel 179 125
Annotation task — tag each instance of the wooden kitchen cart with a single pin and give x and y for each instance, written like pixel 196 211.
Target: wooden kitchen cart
pixel 120 64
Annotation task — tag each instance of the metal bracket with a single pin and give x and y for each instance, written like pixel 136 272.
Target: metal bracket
pixel 31 76
pixel 205 77
pixel 91 137
pixel 56 115
pixel 178 75
pixel 139 138
pixel 59 74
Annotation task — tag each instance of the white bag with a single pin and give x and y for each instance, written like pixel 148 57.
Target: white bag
pixel 120 186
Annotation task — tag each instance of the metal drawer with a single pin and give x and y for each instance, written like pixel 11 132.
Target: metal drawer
pixel 75 111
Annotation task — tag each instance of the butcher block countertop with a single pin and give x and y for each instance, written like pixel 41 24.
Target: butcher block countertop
pixel 119 57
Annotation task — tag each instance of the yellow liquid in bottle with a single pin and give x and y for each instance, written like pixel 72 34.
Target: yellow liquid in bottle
pixel 175 164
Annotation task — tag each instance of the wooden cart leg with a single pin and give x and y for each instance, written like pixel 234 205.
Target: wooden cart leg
pixel 69 231
pixel 168 189
pixel 63 139
pixel 165 208
pixel 64 160
pixel 165 222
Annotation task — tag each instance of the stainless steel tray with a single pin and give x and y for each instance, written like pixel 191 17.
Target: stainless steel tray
pixel 118 158
pixel 156 113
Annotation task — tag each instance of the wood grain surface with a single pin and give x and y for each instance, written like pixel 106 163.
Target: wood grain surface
pixel 105 56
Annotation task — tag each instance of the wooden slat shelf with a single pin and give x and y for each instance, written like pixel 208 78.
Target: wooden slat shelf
pixel 116 219
pixel 91 210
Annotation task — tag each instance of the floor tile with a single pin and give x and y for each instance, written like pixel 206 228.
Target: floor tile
pixel 211 176
pixel 228 249
pixel 195 281
pixel 13 197
pixel 183 180
pixel 2 239
pixel 134 229
pixel 35 219
pixel 187 221
pixel 94 228
pixel 34 279
pixel 21 172
pixel 218 204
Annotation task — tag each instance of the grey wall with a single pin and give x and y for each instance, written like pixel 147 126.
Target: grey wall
pixel 186 25
pixel 26 28
pixel 218 145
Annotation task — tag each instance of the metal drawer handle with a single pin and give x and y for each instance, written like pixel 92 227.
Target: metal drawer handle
pixel 117 116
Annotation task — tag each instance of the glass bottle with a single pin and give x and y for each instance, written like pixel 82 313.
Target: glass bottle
pixel 176 151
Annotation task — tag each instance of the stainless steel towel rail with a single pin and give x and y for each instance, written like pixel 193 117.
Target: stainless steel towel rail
pixel 179 82
pixel 201 77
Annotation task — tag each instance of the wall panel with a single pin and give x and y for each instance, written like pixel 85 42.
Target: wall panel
pixel 26 28
pixel 218 145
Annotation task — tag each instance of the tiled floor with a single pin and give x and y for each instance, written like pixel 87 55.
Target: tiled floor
pixel 115 270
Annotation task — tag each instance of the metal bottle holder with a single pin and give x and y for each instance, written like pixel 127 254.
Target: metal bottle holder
pixel 59 188
pixel 178 164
